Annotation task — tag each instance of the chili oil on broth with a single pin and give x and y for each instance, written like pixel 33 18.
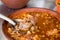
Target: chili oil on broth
pixel 39 26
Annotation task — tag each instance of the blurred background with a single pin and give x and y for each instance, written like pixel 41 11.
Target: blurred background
pixel 49 4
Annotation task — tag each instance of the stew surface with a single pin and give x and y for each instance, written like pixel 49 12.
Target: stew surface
pixel 35 26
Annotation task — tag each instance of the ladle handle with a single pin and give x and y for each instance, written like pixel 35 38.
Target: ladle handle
pixel 7 19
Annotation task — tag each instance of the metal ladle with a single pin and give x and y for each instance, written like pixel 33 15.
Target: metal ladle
pixel 7 19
